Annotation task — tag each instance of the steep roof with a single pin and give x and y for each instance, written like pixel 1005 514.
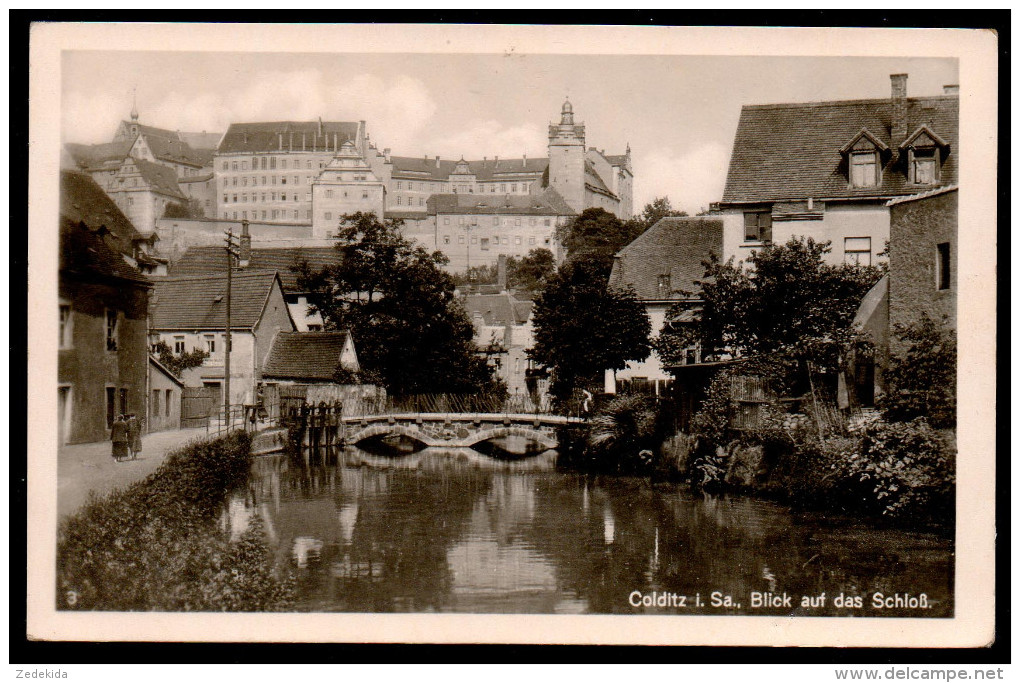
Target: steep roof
pixel 594 180
pixel 305 355
pixel 545 204
pixel 159 177
pixel 674 246
pixel 85 254
pixel 792 151
pixel 427 168
pixel 107 154
pixel 166 371
pixel 498 309
pixel 199 303
pixel 202 141
pixel 82 200
pixel 264 136
pixel 210 261
pixel 169 145
pixel 195 178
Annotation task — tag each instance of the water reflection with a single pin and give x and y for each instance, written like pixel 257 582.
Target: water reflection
pixel 439 530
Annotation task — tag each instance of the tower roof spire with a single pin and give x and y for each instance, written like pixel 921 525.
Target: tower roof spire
pixel 567 113
pixel 134 104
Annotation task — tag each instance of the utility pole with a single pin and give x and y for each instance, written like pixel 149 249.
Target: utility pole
pixel 232 250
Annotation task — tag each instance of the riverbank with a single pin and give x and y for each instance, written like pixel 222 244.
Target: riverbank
pixel 157 544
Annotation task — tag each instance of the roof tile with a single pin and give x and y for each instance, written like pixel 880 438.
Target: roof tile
pixel 674 246
pixel 313 356
pixel 199 303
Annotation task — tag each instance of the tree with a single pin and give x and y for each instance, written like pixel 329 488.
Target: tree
pixel 192 208
pixel 531 271
pixel 582 327
pixel 656 210
pixel 787 305
pixel 922 378
pixel 597 234
pixel 399 306
pixel 178 363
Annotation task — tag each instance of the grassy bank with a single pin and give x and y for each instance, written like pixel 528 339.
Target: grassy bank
pixel 157 545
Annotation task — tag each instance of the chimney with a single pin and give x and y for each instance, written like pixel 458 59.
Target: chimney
pixel 524 161
pixel 437 161
pixel 320 127
pixel 386 154
pixel 279 144
pixel 291 142
pixel 951 90
pixel 302 141
pixel 244 258
pixel 496 160
pixel 335 147
pixel 898 128
pixel 501 272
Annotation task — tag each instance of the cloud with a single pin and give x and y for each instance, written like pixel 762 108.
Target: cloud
pixel 397 110
pixel 491 138
pixel 691 179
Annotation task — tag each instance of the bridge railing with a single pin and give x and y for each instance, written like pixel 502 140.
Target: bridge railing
pixel 456 403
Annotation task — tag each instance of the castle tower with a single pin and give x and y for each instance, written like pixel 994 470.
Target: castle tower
pixel 566 158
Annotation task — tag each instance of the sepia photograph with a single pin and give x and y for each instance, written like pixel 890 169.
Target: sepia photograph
pixel 401 333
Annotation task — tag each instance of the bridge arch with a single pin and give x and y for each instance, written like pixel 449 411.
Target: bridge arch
pixel 392 430
pixel 541 438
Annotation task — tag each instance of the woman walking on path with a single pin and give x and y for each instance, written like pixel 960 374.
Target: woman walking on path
pixel 119 436
pixel 134 435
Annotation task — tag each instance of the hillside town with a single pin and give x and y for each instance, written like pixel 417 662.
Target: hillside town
pixel 299 276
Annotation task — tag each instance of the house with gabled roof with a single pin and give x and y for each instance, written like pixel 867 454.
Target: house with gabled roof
pixel 189 313
pixel 103 300
pixel 310 357
pixel 503 335
pixel 826 170
pixel 286 260
pixel 664 267
pixel 143 190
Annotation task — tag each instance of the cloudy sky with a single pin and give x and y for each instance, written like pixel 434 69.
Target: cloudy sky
pixel 678 113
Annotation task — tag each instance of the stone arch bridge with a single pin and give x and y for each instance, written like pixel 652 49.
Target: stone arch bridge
pixel 458 430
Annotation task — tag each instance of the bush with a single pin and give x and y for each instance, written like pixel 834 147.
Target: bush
pixel 922 380
pixel 623 436
pixel 156 545
pixel 909 469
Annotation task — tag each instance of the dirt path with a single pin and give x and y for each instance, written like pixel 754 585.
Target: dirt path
pixel 90 467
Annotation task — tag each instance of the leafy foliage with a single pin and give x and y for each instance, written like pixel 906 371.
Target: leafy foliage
pixel 622 437
pixel 157 545
pixel 178 363
pixel 485 274
pixel 399 305
pixel 532 271
pixel 597 235
pixel 787 303
pixel 922 380
pixel 191 209
pixel 583 327
pixel 656 210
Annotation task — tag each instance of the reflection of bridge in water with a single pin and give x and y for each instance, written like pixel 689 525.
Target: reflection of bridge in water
pixel 457 430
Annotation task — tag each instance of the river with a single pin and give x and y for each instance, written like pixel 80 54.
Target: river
pixel 459 531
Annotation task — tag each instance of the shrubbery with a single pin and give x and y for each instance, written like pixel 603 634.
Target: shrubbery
pixel 156 545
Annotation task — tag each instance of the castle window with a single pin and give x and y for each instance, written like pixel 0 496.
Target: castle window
pixel 864 169
pixel 531 240
pixel 399 200
pixel 329 194
pixel 283 180
pixel 474 239
pixel 272 164
pixel 328 216
pixel 446 239
pixel 226 166
pixel 233 166
pixel 283 163
pixel 262 165
pixel 517 239
pixel 857 250
pixel 758 226
pixel 308 164
pixel 942 266
pixel 244 167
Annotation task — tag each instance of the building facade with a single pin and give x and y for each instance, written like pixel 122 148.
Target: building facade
pixel 103 300
pixel 923 259
pixel 264 171
pixel 474 230
pixel 503 335
pixel 143 190
pixel 165 391
pixel 346 185
pixel 200 192
pixel 663 266
pixel 826 170
pixel 189 313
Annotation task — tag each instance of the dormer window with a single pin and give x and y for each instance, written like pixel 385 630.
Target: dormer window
pixel 864 159
pixel 924 152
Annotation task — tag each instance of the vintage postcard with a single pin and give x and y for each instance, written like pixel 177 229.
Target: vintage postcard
pixel 531 334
